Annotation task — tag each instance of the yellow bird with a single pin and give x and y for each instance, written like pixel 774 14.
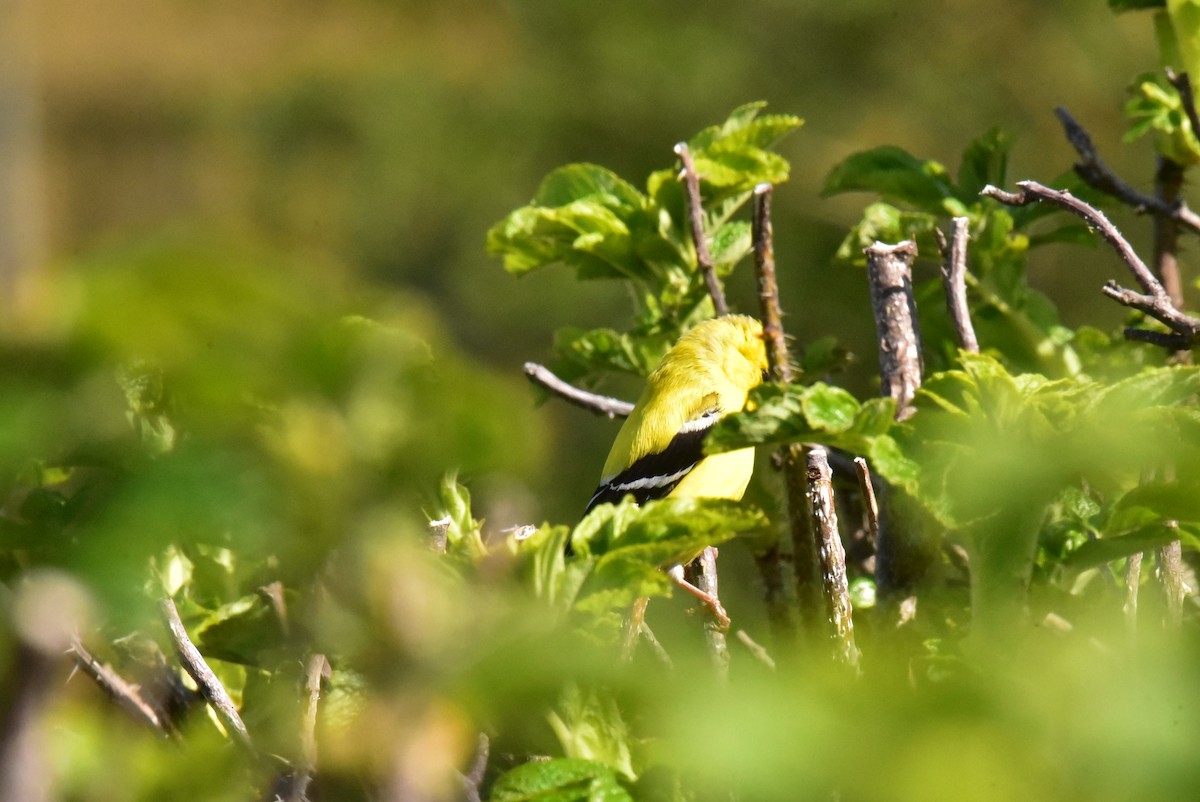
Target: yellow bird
pixel 659 451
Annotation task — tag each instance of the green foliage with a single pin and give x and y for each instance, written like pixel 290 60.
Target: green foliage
pixel 587 218
pixel 256 439
pixel 918 195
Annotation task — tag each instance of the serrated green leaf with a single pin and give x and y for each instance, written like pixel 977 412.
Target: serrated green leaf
pixel 829 408
pixel 576 182
pixel 896 175
pixel 559 780
pixel 985 161
pixel 730 244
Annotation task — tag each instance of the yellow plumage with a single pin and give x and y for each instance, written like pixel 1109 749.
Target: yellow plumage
pixel 659 450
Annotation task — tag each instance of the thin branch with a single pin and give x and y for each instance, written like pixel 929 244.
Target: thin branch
pixel 439 532
pixel 696 218
pixel 600 404
pixel 194 664
pixel 762 236
pixel 1096 174
pixel 714 632
pixel 1170 560
pixel 780 598
pixel 659 650
pixel 954 277
pixel 1133 579
pixel 833 556
pixel 889 273
pixel 1168 183
pixel 870 504
pixel 473 779
pixel 760 654
pixel 1155 301
pixel 127 696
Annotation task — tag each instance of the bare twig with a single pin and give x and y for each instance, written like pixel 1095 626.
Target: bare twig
pixel 833 556
pixel 439 531
pixel 768 286
pixel 760 654
pixel 601 405
pixel 779 597
pixel 473 779
pixel 1096 174
pixel 696 218
pixel 954 277
pixel 659 650
pixel 127 696
pixel 1133 579
pixel 870 505
pixel 274 596
pixel 889 272
pixel 1170 560
pixel 1168 183
pixel 714 632
pixel 1154 301
pixel 194 664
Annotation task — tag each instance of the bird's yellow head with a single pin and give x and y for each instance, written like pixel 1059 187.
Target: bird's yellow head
pixel 732 342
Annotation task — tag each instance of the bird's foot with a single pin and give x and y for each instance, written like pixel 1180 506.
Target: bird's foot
pixel 707 599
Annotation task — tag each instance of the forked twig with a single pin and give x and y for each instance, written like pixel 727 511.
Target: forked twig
pixel 194 664
pixel 1154 300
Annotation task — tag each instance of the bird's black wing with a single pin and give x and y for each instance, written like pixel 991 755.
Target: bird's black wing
pixel 656 475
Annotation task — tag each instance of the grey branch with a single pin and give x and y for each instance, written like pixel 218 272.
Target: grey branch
pixel 889 273
pixel 760 654
pixel 833 556
pixel 600 404
pixel 714 632
pixel 870 503
pixel 1154 300
pixel 954 277
pixel 780 598
pixel 696 219
pixel 473 779
pixel 194 664
pixel 1133 579
pixel 1170 558
pixel 1098 175
pixel 126 695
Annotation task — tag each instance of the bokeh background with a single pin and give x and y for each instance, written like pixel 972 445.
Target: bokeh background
pixel 374 143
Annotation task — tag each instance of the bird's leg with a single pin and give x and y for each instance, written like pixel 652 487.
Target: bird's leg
pixel 707 599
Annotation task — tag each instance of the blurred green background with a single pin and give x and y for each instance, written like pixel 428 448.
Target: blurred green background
pixel 376 141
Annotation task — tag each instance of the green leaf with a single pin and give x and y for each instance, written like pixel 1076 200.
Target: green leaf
pixel 883 222
pixel 897 176
pixel 576 182
pixel 1135 5
pixel 1104 550
pixel 589 726
pixel 560 780
pixel 985 161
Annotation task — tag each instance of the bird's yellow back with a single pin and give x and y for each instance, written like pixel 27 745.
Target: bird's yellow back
pixel 659 450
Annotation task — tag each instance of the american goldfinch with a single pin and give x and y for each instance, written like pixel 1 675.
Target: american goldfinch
pixel 659 451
